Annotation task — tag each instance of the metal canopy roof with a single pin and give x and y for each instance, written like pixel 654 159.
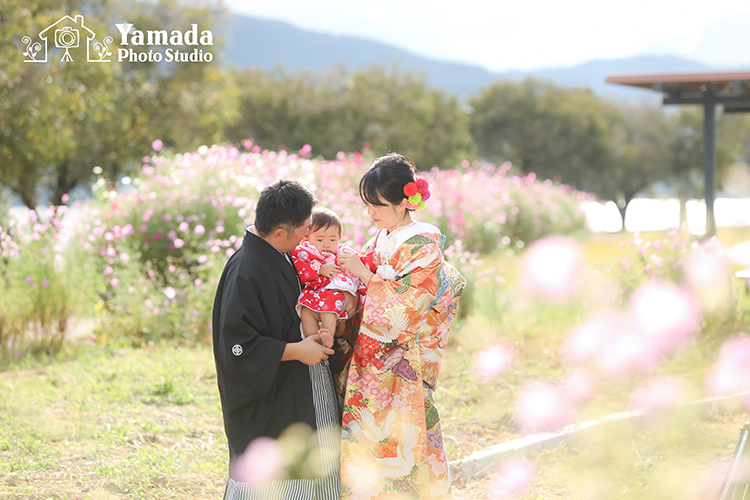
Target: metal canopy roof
pixel 731 83
pixel 732 89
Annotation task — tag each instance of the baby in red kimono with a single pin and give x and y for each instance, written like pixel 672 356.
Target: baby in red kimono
pixel 323 281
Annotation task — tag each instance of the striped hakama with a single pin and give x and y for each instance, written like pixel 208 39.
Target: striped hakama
pixel 329 437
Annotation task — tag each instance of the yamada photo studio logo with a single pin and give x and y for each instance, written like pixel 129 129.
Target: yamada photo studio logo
pixel 68 34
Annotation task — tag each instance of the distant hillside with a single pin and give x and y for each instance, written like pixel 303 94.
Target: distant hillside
pixel 267 44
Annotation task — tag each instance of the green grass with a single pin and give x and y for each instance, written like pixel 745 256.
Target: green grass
pixel 106 422
pixel 135 423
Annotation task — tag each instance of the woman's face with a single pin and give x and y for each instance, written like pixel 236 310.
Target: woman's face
pixel 388 216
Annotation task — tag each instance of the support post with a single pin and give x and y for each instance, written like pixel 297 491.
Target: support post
pixel 709 157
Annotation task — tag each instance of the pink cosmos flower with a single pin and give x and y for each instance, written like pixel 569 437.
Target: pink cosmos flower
pixel 731 374
pixel 514 477
pixel 493 361
pixel 580 385
pixel 665 313
pixel 542 406
pixel 627 352
pixel 585 341
pixel 553 266
pixel 262 461
pixel 157 145
pixel 656 397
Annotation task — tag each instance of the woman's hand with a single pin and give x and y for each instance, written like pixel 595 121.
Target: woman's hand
pixel 352 263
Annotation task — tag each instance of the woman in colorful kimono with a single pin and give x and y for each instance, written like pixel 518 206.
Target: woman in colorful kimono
pixel 392 444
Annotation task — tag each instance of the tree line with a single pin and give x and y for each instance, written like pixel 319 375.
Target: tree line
pixel 59 121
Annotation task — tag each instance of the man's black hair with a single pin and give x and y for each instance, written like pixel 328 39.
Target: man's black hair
pixel 286 204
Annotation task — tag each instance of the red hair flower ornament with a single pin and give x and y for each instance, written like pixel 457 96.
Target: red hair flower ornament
pixel 417 193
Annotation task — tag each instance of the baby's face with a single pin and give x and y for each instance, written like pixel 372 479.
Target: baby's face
pixel 325 239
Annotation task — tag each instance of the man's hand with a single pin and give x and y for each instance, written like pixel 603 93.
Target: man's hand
pixel 308 351
pixel 328 270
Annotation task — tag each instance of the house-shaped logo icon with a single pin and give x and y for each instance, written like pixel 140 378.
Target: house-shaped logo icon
pixel 67 34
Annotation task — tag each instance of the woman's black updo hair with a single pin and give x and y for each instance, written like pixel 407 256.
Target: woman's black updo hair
pixel 386 179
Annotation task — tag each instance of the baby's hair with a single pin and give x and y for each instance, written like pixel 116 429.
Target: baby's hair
pixel 323 218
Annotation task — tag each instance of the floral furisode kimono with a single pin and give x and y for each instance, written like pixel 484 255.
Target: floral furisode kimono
pixel 392 443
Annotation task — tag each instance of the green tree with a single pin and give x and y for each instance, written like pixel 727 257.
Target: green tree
pixel 556 132
pixel 60 119
pixel 336 111
pixel 641 152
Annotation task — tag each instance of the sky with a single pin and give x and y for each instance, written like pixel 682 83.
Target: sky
pixel 503 35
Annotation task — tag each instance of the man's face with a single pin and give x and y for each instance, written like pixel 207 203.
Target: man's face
pixel 293 238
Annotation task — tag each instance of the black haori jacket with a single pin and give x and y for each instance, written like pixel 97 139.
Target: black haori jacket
pixel 253 319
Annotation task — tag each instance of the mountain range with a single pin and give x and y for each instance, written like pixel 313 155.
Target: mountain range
pixel 254 42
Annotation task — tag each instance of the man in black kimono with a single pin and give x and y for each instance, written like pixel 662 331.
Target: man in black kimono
pixel 268 377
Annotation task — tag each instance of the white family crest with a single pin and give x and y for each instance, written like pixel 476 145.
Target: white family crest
pixel 67 34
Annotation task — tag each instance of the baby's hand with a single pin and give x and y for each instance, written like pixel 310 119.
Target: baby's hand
pixel 328 270
pixel 376 260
